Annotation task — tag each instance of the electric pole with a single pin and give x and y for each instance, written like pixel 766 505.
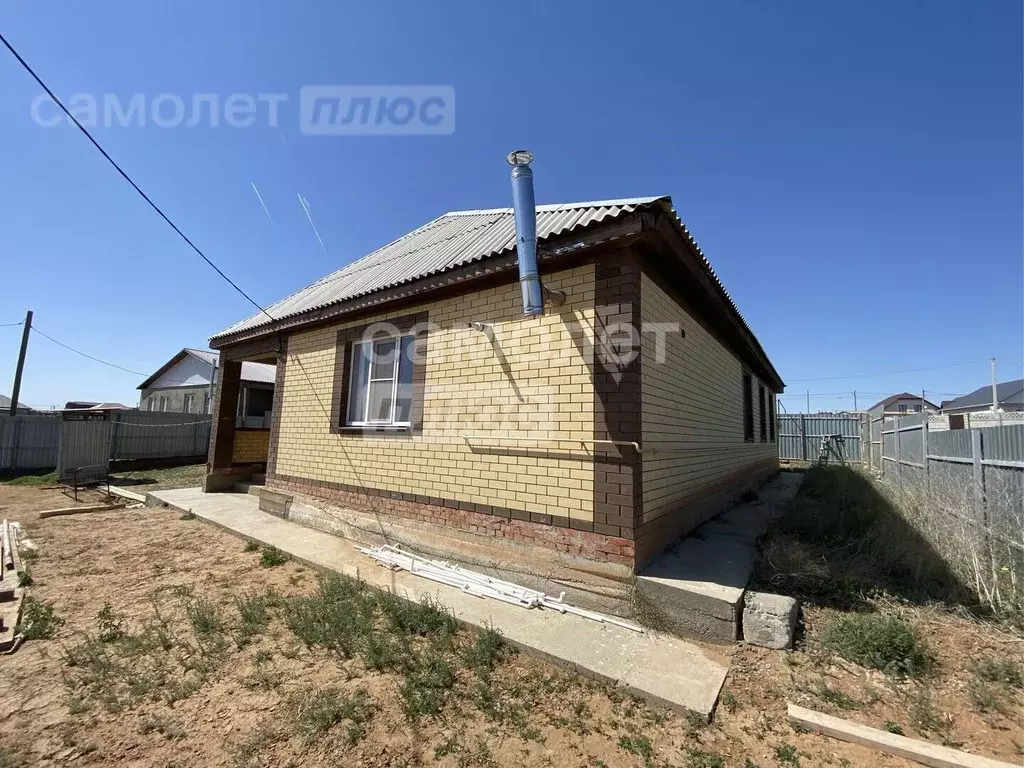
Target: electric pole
pixel 995 398
pixel 21 363
pixel 855 399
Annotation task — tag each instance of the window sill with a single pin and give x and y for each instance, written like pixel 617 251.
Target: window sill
pixel 379 428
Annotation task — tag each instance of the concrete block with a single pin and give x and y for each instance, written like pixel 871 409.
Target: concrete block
pixel 697 587
pixel 275 503
pixel 769 620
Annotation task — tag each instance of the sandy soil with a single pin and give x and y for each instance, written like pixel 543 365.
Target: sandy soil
pixel 242 709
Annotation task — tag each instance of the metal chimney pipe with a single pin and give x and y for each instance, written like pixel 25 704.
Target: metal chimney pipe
pixel 525 208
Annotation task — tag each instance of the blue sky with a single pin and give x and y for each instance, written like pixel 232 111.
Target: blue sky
pixel 852 170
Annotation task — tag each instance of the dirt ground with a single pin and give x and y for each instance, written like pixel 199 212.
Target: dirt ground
pixel 160 661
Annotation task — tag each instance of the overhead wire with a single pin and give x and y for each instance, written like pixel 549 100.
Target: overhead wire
pixel 126 177
pixel 891 373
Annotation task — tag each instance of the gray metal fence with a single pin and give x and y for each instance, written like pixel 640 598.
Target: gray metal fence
pixel 984 466
pixel 800 434
pixel 92 439
pixel 28 442
pixel 154 435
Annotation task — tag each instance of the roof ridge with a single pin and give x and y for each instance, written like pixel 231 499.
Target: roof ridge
pixel 552 207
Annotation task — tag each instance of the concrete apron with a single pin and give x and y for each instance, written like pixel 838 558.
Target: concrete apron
pixel 596 586
pixel 696 588
pixel 658 667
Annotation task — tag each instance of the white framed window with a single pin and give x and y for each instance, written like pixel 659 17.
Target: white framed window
pixel 903 408
pixel 206 403
pixel 163 403
pixel 151 404
pixel 187 403
pixel 380 382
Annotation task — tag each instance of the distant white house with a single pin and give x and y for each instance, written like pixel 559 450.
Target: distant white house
pixel 184 385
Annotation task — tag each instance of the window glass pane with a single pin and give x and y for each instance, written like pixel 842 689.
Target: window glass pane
pixel 380 400
pixel 357 382
pixel 403 407
pixel 383 359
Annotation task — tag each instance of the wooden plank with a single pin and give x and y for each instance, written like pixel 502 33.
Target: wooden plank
pixel 78 510
pixel 131 496
pixel 922 752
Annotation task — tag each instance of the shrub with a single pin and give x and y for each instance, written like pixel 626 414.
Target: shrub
pixel 887 643
pixel 251 546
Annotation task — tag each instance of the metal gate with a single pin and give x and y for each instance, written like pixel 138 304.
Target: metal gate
pixel 84 454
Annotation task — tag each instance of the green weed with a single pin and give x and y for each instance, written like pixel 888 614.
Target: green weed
pixel 786 754
pixel 638 745
pixel 698 758
pixel 109 624
pixel 38 620
pixel 271 557
pixel 251 546
pixel 317 712
pixel 887 643
pixel 893 727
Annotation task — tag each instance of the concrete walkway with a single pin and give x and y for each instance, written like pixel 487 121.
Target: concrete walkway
pixel 697 586
pixel 658 667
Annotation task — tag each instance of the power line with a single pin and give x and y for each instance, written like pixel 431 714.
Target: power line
pixel 11 325
pixel 115 365
pixel 127 178
pixel 892 373
pixel 83 354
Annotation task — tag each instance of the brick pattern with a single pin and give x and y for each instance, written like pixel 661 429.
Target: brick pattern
pixel 450 514
pixel 275 426
pixel 692 422
pixel 222 433
pixel 250 446
pixel 523 390
pixel 618 486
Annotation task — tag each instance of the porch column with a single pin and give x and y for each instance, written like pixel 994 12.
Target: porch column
pixel 222 436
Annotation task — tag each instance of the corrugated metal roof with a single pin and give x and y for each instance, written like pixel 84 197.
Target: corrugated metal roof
pixel 254 372
pixel 454 239
pixel 1007 393
pixel 464 237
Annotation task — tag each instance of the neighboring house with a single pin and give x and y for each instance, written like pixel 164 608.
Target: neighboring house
pixel 901 404
pixel 182 385
pixel 412 386
pixel 5 406
pixel 80 405
pixel 1009 397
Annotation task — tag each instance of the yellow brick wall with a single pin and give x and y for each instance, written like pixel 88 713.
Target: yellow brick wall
pixel 534 381
pixel 692 410
pixel 250 446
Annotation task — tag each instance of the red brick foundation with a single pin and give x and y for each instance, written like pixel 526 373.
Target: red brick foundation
pixel 448 514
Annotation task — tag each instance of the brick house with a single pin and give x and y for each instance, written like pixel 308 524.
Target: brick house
pixel 411 388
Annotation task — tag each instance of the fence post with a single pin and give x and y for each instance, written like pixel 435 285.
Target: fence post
pixel 977 454
pixel 899 454
pixel 115 437
pixel 924 451
pixel 16 443
pixel 803 436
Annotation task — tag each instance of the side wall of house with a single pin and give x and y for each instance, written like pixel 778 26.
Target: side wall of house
pixel 473 465
pixel 696 461
pixel 174 399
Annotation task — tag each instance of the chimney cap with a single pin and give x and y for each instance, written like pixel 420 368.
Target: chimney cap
pixel 519 157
